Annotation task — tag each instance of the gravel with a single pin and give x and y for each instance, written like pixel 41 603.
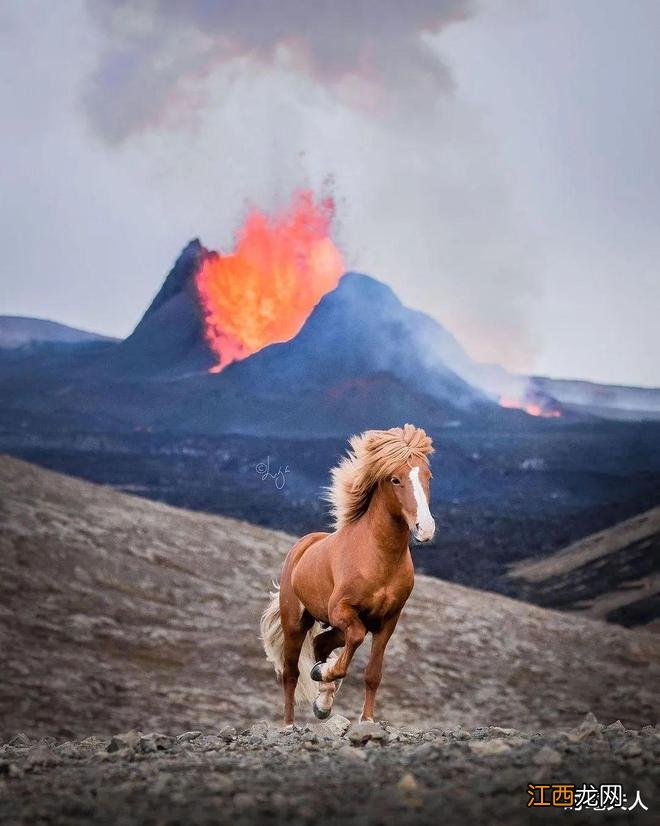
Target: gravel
pixel 330 772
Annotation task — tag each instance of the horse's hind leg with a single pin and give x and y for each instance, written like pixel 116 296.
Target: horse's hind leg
pixel 295 631
pixel 324 645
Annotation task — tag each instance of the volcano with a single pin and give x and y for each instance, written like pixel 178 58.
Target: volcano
pixel 357 362
pixel 231 339
pixel 216 308
pixel 360 330
pixel 272 338
pixel 360 359
pixel 169 340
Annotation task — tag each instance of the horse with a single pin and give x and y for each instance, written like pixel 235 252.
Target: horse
pixel 337 587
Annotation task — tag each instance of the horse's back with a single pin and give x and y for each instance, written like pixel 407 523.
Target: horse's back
pixel 298 549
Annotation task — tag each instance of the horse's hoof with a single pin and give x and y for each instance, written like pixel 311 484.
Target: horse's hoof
pixel 316 674
pixel 321 713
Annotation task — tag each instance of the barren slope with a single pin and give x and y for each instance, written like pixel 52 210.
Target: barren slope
pixel 116 612
pixel 613 574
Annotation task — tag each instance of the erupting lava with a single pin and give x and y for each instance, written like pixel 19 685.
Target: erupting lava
pixel 264 291
pixel 531 407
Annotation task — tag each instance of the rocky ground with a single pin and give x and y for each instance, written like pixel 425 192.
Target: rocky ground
pixel 327 773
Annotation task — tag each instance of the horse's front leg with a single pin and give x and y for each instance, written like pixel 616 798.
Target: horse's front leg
pixel 324 644
pixel 344 617
pixel 374 670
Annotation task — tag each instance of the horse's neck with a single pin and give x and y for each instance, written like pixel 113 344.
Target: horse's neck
pixel 390 534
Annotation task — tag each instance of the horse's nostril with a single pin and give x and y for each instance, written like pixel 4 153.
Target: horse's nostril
pixel 417 526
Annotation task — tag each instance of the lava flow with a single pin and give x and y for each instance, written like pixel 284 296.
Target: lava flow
pixel 532 408
pixel 264 291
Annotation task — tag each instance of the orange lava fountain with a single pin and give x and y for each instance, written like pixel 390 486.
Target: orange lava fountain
pixel 264 291
pixel 531 408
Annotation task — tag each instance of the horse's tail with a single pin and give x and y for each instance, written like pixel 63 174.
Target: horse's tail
pixel 272 638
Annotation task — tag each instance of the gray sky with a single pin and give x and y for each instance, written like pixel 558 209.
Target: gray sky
pixel 495 162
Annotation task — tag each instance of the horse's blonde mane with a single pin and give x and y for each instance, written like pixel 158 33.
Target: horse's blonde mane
pixel 372 456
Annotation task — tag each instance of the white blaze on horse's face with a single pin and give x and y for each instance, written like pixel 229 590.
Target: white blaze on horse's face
pixel 424 528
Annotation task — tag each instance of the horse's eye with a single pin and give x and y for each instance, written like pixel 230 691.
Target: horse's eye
pixel 396 480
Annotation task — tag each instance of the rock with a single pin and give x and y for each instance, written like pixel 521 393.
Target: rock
pixel 278 734
pixel 128 740
pixel 209 742
pixel 361 733
pixel 410 732
pixel 348 753
pixel 457 733
pixel 259 728
pixel 11 751
pixel 589 727
pixel 150 743
pixel 41 755
pixel 20 740
pixel 547 756
pixel 334 726
pixel 12 770
pixel 68 749
pixel 630 749
pixel 407 783
pixel 498 731
pixel 227 733
pixel 489 748
pixel 188 736
pixel 426 752
pixel 616 727
pixel 92 744
pixel 301 775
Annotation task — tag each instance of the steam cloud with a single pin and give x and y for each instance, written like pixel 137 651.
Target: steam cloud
pixel 277 95
pixel 153 49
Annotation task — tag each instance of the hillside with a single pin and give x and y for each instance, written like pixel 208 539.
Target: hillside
pixel 17 331
pixel 116 612
pixel 613 574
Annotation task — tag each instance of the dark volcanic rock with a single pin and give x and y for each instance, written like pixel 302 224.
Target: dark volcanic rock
pixel 310 774
pixel 614 574
pixel 169 339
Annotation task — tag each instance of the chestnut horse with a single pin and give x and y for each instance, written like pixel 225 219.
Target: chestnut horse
pixel 336 587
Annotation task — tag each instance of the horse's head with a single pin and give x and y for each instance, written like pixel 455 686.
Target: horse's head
pixel 407 492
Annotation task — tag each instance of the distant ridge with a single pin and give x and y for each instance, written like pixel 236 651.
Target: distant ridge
pixel 19 331
pixel 613 574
